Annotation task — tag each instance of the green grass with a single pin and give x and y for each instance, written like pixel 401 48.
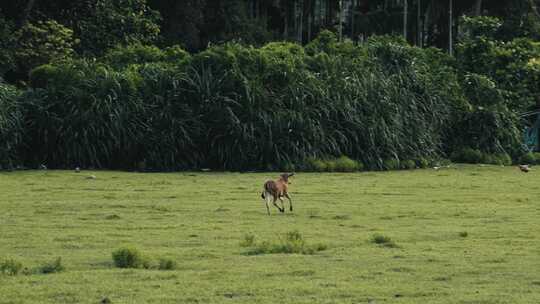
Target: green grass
pixel 205 222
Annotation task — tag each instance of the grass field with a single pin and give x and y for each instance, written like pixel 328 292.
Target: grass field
pixel 467 234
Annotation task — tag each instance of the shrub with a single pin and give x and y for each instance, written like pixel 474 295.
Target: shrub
pixel 391 164
pixel 11 126
pixel 122 56
pixel 52 267
pixel 528 159
pixel 345 164
pixel 463 234
pixel 330 165
pixel 408 164
pixel 249 240
pixel 316 165
pixel 422 163
pixel 7 45
pixel 504 159
pixel 129 258
pixel 10 267
pixel 42 75
pixel 537 157
pixel 468 155
pixel 167 264
pixel 292 243
pixel 43 42
pixel 383 240
pixel 383 100
pixel 497 159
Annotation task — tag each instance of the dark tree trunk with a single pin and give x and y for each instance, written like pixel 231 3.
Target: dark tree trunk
pixel 405 10
pixel 26 12
pixel 419 23
pixel 478 8
pixel 450 27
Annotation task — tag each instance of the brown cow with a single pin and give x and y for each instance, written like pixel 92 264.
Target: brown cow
pixel 273 190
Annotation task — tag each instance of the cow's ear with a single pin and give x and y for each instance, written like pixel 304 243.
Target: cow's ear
pixel 291 174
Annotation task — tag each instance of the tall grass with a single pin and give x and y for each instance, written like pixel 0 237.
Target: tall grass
pixel 11 126
pixel 237 107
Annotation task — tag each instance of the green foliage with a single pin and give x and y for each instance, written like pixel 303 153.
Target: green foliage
pixel 537 157
pixel 10 267
pixel 481 91
pixel 293 243
pixel 383 240
pixel 467 155
pixel 123 56
pixel 506 63
pixel 479 26
pixel 167 264
pixel 341 164
pixel 407 164
pixel 116 22
pixel 491 130
pixel 316 165
pixel 345 164
pixel 229 21
pixel 248 241
pixel 117 119
pixel 391 164
pixel 7 43
pixel 474 156
pixel 43 42
pixel 235 107
pixel 528 159
pixel 52 267
pixel 11 127
pixel 502 159
pixel 128 258
pixel 422 163
pixel 42 75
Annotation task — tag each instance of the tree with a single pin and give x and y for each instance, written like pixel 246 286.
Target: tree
pixel 113 22
pixel 40 43
pixel 182 21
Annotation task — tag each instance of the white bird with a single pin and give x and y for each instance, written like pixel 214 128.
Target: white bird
pixel 524 168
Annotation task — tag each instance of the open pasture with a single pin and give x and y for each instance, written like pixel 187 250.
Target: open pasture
pixel 466 234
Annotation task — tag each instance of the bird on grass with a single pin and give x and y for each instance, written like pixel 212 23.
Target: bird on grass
pixel 524 168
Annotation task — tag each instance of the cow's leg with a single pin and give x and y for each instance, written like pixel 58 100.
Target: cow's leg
pixel 289 198
pixel 274 202
pixel 282 203
pixel 267 200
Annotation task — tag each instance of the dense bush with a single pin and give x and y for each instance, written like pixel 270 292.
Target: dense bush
pixel 10 267
pixel 115 22
pixel 506 63
pixel 383 240
pixel 341 164
pixel 292 243
pixel 136 54
pixel 11 127
pixel 41 43
pixel 52 267
pixel 7 43
pixel 383 104
pixel 167 264
pixel 128 258
pixel 474 156
pixel 528 159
